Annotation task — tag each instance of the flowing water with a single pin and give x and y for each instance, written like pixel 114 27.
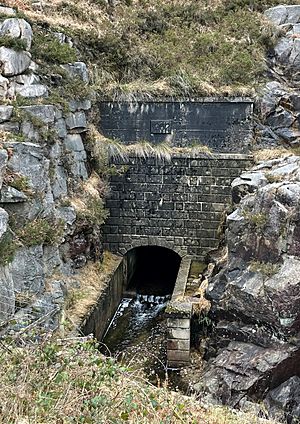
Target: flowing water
pixel 137 334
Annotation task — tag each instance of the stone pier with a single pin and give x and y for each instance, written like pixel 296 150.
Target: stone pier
pixel 179 313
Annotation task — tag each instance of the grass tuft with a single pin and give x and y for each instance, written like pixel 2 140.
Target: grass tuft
pixel 41 231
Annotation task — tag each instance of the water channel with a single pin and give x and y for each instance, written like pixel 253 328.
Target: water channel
pixel 137 334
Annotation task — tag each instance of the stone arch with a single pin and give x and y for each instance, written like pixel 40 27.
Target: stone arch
pixel 152 269
pixel 150 241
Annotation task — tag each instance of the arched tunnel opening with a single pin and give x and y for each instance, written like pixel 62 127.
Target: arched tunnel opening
pixel 152 270
pixel 138 328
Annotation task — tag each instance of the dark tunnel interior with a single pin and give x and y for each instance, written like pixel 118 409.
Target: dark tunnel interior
pixel 153 270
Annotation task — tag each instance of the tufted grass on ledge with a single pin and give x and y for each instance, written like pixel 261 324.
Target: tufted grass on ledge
pixel 103 150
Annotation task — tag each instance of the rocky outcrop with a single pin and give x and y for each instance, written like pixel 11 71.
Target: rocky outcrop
pixel 43 164
pixel 279 101
pixel 254 348
pixel 17 29
pixel 256 297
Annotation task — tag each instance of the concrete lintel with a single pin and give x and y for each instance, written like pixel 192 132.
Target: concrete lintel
pixel 167 99
pixel 198 155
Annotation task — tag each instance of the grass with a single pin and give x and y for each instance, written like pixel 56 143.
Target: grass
pixel 269 154
pixel 103 151
pixel 88 202
pixel 141 49
pixel 13 43
pixel 92 280
pixel 69 381
pixel 41 231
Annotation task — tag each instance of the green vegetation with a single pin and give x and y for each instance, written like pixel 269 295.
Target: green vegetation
pixel 13 43
pixel 184 48
pixel 257 220
pixel 94 212
pixel 266 268
pixel 141 49
pixel 47 48
pixel 21 116
pixel 8 248
pixel 274 178
pixel 40 231
pixel 71 382
pixel 20 182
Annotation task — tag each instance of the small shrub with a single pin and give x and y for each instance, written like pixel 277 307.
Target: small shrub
pixel 20 116
pixel 20 182
pixel 94 212
pixel 13 43
pixel 41 231
pixel 8 247
pixel 273 178
pixel 75 88
pixel 46 48
pixel 258 220
pixel 56 97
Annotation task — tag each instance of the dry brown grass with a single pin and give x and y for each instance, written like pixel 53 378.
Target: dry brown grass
pixel 268 154
pixel 92 280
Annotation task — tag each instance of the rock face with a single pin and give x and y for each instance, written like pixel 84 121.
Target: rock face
pixel 43 163
pixel 256 297
pixel 254 348
pixel 17 28
pixel 279 103
pixel 244 369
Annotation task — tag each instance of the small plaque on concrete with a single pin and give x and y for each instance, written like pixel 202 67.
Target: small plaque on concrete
pixel 160 127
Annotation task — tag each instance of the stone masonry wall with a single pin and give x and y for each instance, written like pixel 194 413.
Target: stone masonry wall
pixel 176 204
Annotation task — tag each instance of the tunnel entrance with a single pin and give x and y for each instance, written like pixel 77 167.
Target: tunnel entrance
pixel 152 270
pixel 139 327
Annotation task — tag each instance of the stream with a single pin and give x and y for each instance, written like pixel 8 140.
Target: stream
pixel 137 337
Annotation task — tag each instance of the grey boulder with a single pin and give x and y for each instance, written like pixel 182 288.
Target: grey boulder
pixel 13 62
pixel 5 113
pixel 17 28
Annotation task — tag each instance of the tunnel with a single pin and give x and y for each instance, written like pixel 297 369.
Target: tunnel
pixel 152 270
